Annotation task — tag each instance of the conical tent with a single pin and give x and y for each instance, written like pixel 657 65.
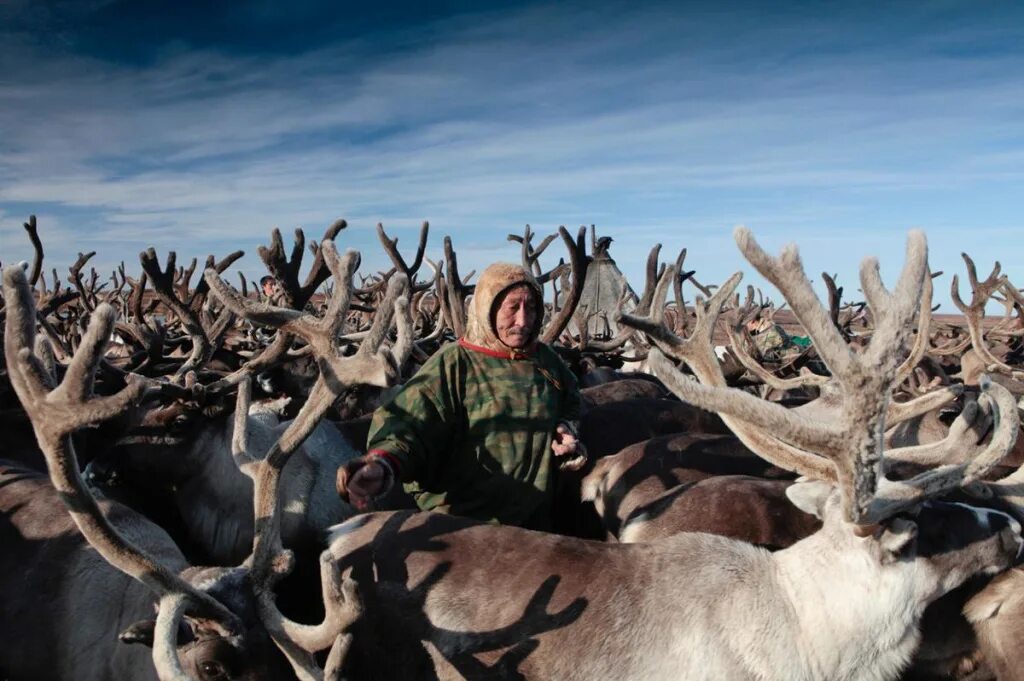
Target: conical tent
pixel 602 290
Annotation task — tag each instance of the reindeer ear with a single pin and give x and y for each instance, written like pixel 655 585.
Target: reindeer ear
pixel 592 486
pixel 810 496
pixel 897 537
pixel 980 609
pixel 140 632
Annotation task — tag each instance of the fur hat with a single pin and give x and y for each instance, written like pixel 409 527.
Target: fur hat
pixel 494 281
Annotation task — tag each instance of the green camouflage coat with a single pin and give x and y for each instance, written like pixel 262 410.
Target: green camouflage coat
pixel 471 432
pixel 772 342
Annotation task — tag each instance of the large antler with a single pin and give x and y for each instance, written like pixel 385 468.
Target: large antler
pixel 975 312
pixel 391 248
pixel 372 364
pixel 286 270
pixel 531 255
pixel 851 444
pixel 58 410
pixel 177 302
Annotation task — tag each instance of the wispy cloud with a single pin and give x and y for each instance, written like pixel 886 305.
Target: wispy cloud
pixel 658 125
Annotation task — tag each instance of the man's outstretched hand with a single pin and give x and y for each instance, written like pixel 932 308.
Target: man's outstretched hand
pixel 566 444
pixel 359 481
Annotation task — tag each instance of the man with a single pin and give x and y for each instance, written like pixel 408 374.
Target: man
pixel 771 340
pixel 271 289
pixel 476 431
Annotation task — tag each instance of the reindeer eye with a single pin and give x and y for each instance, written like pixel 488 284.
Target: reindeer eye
pixel 212 671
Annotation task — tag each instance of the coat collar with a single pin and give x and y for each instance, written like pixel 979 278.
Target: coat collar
pixel 510 353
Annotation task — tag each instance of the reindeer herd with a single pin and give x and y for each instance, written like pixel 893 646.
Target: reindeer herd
pixel 849 509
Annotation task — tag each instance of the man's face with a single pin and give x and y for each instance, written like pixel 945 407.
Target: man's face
pixel 517 314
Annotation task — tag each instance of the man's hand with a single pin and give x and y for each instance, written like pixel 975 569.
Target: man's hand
pixel 359 481
pixel 566 444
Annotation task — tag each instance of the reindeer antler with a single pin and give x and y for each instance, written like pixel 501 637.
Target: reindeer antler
pixel 372 364
pixel 975 312
pixel 58 410
pixel 851 446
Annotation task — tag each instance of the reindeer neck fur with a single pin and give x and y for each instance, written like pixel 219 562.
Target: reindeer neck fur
pixel 855 619
pixel 216 499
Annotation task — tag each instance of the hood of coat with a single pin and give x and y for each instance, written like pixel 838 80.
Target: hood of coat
pixel 499 277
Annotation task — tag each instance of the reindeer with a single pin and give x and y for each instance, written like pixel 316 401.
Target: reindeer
pixel 181 453
pixel 449 598
pixel 211 623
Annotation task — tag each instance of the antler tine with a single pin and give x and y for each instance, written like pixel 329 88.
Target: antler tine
pixel 787 274
pixel 652 277
pixel 957 447
pixel 318 273
pixel 55 415
pixel 975 312
pixel 835 297
pixel 184 280
pixel 677 288
pixel 391 247
pixel 894 312
pixel 163 286
pixel 895 496
pixel 75 272
pixel 342 606
pixel 298 248
pixel 342 270
pixel 897 412
pixel 454 292
pixel 924 320
pixel 580 261
pixel 37 245
pixel 421 249
pixel 398 288
pixel 697 352
pixel 202 288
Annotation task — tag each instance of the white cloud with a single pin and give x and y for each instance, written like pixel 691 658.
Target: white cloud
pixel 651 125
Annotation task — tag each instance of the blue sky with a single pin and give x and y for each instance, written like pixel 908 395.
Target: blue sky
pixel 838 126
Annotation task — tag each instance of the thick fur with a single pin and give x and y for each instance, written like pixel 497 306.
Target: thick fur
pixel 621 485
pixel 213 498
pixel 641 386
pixel 608 428
pixel 997 614
pixel 63 605
pixel 450 599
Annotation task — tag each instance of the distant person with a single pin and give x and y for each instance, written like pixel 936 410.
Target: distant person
pixel 770 339
pixel 272 291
